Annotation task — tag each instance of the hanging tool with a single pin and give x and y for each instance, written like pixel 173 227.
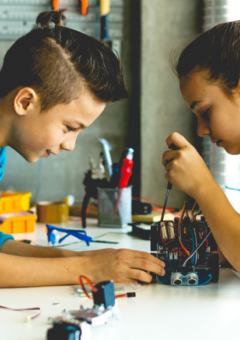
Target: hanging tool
pixel 55 5
pixel 83 7
pixel 107 147
pixel 115 45
pixel 94 178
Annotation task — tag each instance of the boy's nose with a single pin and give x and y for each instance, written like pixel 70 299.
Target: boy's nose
pixel 68 144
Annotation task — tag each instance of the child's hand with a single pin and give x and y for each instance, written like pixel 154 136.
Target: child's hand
pixel 122 265
pixel 185 167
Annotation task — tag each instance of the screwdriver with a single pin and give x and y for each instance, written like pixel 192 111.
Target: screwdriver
pixel 169 187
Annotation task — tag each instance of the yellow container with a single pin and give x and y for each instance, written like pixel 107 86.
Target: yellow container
pixel 25 200
pixel 18 224
pixel 14 202
pixel 10 203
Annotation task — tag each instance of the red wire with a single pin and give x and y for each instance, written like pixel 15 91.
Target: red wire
pixel 94 289
pixel 24 309
pixel 179 250
pixel 120 296
pixel 204 235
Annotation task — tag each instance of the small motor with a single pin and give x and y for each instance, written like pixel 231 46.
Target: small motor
pixel 64 331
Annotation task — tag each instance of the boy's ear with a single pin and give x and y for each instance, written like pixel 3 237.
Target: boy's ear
pixel 24 100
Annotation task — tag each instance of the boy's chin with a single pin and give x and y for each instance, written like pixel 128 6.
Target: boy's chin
pixel 31 158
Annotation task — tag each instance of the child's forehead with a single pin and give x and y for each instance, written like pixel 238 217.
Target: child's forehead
pixel 82 110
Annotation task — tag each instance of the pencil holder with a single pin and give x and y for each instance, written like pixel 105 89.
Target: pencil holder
pixel 114 207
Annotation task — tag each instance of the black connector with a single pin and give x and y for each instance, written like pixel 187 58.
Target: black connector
pixel 131 294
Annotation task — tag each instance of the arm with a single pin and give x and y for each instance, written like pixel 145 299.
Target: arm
pixel 189 173
pixel 22 265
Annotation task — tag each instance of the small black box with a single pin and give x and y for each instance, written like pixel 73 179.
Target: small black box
pixel 105 294
pixel 64 331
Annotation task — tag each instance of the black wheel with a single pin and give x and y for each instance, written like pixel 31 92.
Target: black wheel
pixel 214 264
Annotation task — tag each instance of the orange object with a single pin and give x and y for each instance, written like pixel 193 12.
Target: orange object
pixel 55 5
pixel 84 7
pixel 14 202
pixel 17 223
pixel 10 203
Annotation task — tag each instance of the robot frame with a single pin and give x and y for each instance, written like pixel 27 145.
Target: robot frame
pixel 188 248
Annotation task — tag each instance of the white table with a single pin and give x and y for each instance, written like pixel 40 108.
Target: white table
pixel 158 311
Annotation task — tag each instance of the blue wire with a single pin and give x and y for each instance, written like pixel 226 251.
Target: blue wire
pixel 227 187
pixel 204 283
pixel 193 248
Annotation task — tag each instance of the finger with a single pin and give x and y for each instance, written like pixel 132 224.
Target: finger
pixel 140 275
pixel 176 139
pixel 168 156
pixel 145 256
pixel 148 266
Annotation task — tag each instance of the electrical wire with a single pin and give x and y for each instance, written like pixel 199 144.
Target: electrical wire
pixel 227 187
pixel 179 228
pixel 204 283
pixel 94 289
pixel 196 254
pixel 179 251
pixel 29 317
pixel 184 264
pixel 193 246
pixel 204 234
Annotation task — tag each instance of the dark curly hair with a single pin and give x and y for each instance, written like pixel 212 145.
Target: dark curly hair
pixel 216 51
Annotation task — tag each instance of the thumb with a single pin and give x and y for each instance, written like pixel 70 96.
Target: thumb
pixel 176 141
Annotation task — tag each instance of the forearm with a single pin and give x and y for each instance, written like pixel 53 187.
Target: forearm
pixel 19 271
pixel 223 221
pixel 11 247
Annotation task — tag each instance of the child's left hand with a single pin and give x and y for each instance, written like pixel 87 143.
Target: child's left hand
pixel 185 167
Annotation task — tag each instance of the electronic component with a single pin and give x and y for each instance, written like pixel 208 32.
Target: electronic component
pixel 141 208
pixel 141 230
pixel 64 331
pixel 72 324
pixel 104 295
pixel 188 248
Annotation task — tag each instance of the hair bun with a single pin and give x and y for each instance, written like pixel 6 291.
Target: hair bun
pixel 46 19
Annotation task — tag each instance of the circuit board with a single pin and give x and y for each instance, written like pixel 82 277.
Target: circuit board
pixel 188 248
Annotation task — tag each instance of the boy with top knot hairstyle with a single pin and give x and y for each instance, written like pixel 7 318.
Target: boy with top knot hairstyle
pixel 208 70
pixel 54 83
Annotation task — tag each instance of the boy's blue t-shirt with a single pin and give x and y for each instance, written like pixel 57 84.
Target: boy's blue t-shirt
pixel 3 160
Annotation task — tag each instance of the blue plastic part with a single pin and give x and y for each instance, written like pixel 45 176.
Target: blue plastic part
pixel 80 234
pixel 53 238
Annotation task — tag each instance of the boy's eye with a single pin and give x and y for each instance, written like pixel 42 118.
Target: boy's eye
pixel 71 128
pixel 205 115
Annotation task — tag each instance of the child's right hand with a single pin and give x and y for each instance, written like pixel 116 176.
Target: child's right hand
pixel 185 167
pixel 121 265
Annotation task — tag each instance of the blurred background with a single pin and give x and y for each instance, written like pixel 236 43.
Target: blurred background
pixel 148 32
